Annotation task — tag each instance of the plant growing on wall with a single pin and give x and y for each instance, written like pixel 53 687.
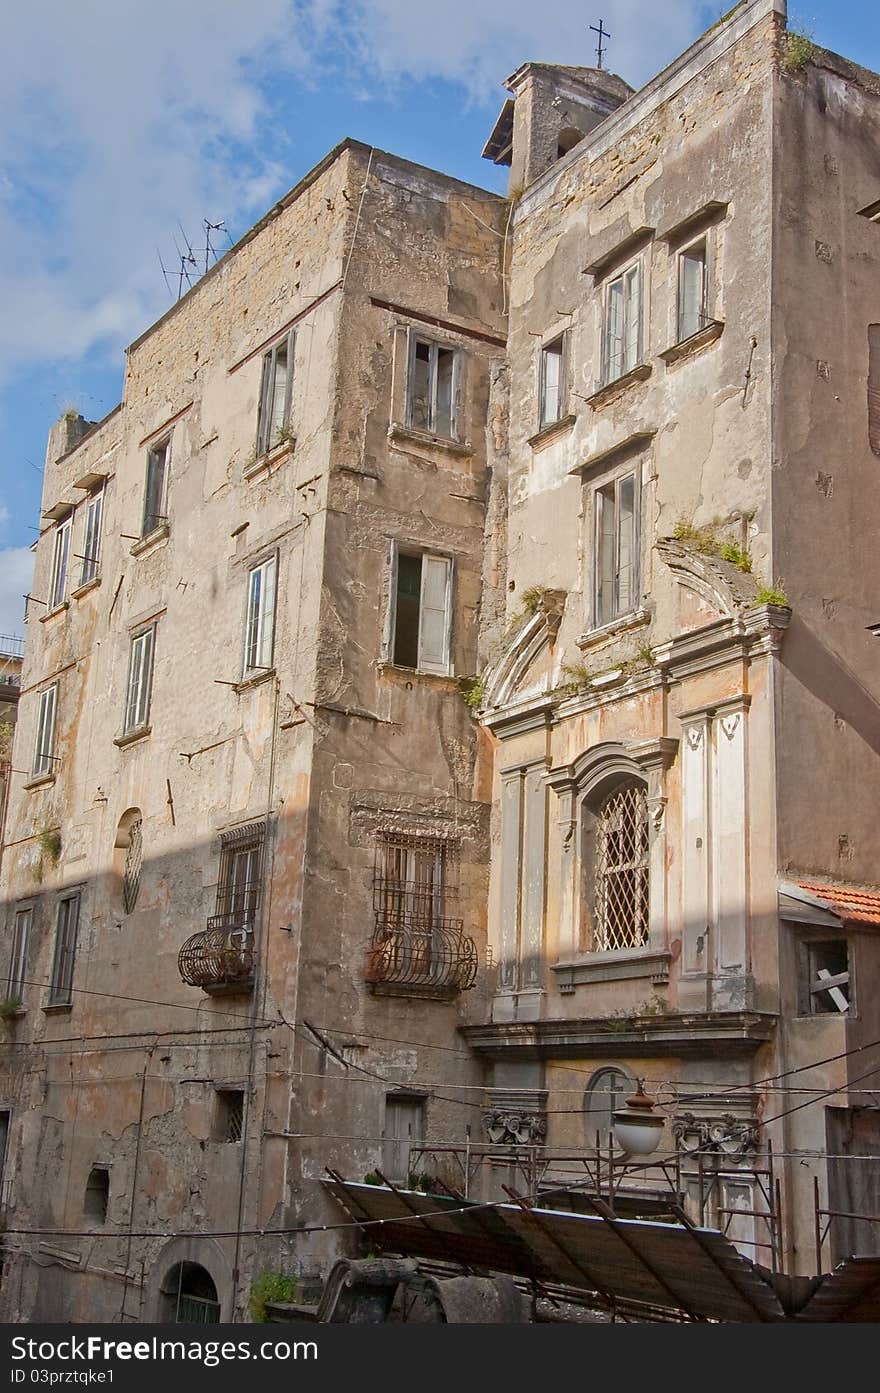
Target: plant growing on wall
pixel 10 1008
pixel 798 50
pixel 49 841
pixel 771 595
pixel 268 1287
pixel 472 692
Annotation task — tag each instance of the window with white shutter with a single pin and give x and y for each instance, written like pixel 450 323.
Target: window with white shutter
pixel 260 620
pixel 156 490
pixel 552 402
pixel 92 538
pixel 422 612
pixel 140 679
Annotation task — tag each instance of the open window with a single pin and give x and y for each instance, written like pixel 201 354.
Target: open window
pixel 18 961
pixel 615 548
pixel 44 747
pixel 60 563
pixel 259 636
pixel 422 612
pixel 824 985
pixel 92 537
pixel 140 681
pixel 276 390
pixel 693 289
pixel 433 387
pixel 156 489
pixel 553 384
pixel 61 983
pixel 622 336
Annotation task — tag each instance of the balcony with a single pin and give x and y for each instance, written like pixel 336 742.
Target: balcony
pixel 434 960
pixel 220 959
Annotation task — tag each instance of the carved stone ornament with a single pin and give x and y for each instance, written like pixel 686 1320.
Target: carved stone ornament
pixel 515 1128
pixel 726 1134
pixel 695 736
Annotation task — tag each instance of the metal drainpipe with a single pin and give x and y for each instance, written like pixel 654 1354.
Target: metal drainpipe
pixel 258 997
pixel 134 1179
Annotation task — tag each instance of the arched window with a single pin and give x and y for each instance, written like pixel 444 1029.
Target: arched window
pixel 620 904
pixel 607 1090
pixel 97 1194
pixel 189 1296
pixel 129 855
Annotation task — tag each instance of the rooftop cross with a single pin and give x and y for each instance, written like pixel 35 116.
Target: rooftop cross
pixel 603 34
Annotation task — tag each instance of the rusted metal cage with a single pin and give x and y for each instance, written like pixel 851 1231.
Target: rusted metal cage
pixel 220 959
pixel 437 960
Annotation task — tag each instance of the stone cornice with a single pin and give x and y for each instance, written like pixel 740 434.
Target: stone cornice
pixel 724 1034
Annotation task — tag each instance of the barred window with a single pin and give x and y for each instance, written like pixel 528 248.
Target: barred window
pixel 621 869
pixel 238 889
pixel 414 880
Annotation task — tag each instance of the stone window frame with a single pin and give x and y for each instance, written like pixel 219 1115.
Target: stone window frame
pixel 704 241
pixel 579 787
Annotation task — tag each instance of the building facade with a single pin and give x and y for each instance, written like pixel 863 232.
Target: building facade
pixel 596 458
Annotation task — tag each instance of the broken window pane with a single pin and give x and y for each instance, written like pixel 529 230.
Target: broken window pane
pixel 406 621
pixel 432 388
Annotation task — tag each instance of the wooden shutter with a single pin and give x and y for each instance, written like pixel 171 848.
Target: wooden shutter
pixel 874 387
pixel 434 614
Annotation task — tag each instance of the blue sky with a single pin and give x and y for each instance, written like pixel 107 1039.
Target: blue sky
pixel 120 121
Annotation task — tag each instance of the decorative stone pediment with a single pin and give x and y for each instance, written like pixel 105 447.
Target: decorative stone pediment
pixel 516 1117
pixel 724 1133
pixel 528 665
pixel 709 588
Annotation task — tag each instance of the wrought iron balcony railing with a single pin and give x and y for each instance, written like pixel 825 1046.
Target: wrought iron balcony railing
pixel 220 959
pixel 435 959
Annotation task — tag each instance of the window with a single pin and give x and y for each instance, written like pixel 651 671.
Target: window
pixel 275 393
pixel 404 1129
pixel 238 890
pixel 552 405
pixel 413 881
pixel 60 562
pixel 621 869
pixel 615 578
pixel 92 541
pixel 693 290
pixel 623 323
pixel 188 1296
pixel 156 492
pixel 228 1114
pixel 97 1195
pixel 61 985
pixel 874 387
pixel 825 981
pixel 44 749
pixel 131 871
pixel 433 388
pixel 422 612
pixel 607 1091
pixel 5 1120
pixel 140 679
pixel 18 961
pixel 260 621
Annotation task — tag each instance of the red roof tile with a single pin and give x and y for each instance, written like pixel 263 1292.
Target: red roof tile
pixel 855 905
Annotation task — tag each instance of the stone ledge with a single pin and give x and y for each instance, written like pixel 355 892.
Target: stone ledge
pixel 131 737
pixel 547 434
pixel 82 590
pixel 408 435
pixel 688 1035
pixel 610 390
pixel 623 965
pixel 695 343
pixel 270 458
pixel 152 539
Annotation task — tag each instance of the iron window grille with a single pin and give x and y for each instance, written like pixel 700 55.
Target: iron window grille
pixel 229 1117
pixel 61 985
pixel 416 943
pixel 131 875
pixel 621 894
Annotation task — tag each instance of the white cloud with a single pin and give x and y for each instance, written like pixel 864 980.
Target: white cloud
pixel 481 41
pixel 118 119
pixel 16 570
